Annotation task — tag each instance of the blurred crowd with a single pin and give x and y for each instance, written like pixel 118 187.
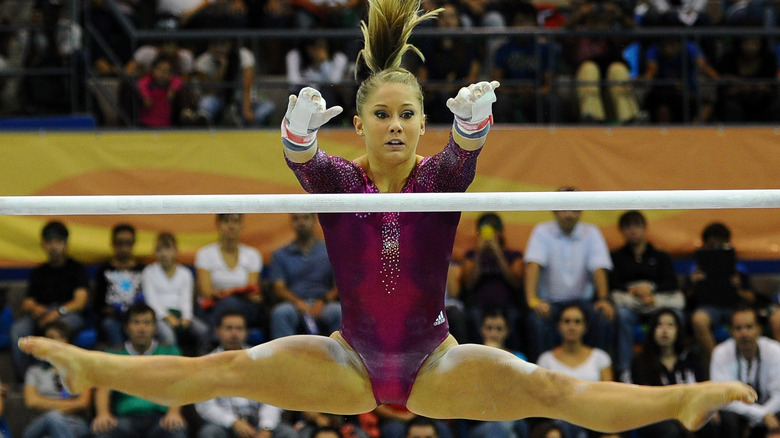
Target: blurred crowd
pixel 566 302
pixel 615 78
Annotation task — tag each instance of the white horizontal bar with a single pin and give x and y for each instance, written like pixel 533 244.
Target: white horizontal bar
pixel 375 202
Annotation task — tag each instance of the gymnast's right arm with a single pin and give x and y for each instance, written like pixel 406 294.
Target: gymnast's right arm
pixel 305 115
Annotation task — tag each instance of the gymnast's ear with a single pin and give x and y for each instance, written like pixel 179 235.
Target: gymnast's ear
pixel 358 124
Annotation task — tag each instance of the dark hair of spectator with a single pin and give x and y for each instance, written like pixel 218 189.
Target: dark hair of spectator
pixel 54 230
pixel 139 308
pixel 59 326
pixel 119 228
pixel 230 312
pixel 632 217
pixel 166 240
pixel 716 230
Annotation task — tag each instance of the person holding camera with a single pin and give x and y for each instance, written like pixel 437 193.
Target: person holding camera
pixel 493 276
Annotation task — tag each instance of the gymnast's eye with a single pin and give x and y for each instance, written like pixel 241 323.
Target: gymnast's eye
pixel 381 114
pixel 407 114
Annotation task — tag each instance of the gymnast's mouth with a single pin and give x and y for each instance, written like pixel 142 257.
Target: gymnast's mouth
pixel 395 144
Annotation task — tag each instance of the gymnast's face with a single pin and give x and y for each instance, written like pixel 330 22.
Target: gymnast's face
pixel 392 123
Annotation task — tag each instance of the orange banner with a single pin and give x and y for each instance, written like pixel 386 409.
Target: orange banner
pixel 514 159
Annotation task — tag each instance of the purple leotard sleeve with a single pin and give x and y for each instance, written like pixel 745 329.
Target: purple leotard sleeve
pixel 391 268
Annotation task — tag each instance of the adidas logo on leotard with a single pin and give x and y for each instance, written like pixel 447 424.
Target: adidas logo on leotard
pixel 439 319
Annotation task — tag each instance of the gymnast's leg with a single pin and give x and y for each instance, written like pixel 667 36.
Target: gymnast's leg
pixel 300 373
pixel 484 383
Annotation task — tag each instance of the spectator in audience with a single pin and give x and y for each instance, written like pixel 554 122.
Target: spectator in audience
pixel 668 60
pixel 226 74
pixel 302 279
pixel 523 58
pixel 228 273
pixel 58 413
pixel 117 285
pixel 448 60
pixel 158 90
pixel 749 59
pixel 52 41
pixel 595 57
pixel 566 262
pixel 752 359
pixel 56 291
pixel 140 65
pixel 714 292
pixel 663 360
pixel 642 281
pixel 226 417
pixel 315 64
pixel 574 358
pixel 168 289
pixel 495 330
pixel 493 275
pixel 121 415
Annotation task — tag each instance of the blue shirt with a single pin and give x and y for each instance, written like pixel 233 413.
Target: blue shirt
pixel 308 275
pixel 568 261
pixel 673 68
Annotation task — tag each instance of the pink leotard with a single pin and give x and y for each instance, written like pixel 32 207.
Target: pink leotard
pixel 391 268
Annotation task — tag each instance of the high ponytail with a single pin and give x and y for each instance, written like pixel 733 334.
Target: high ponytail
pixel 386 36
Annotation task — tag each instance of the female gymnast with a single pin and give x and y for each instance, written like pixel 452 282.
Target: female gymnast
pixel 394 345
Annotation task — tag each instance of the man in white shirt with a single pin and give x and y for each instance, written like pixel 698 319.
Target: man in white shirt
pixel 567 261
pixel 235 416
pixel 752 359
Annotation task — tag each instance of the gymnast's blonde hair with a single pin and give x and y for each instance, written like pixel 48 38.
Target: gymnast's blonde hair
pixel 386 35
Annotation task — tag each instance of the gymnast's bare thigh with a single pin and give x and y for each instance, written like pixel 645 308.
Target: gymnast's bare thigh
pixel 465 381
pixel 306 373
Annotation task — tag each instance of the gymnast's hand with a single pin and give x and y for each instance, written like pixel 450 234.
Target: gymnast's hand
pixel 305 115
pixel 473 109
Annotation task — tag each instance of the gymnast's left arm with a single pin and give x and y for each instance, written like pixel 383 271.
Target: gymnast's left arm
pixel 473 110
pixel 305 115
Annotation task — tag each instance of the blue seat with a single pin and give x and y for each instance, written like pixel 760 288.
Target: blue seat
pixel 54 123
pixel 86 338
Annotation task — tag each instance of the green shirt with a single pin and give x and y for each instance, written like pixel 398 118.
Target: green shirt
pixel 124 404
